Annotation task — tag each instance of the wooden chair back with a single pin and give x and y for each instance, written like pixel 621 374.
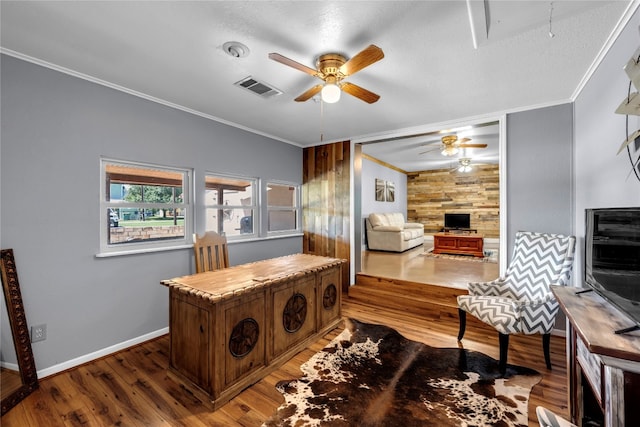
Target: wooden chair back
pixel 210 252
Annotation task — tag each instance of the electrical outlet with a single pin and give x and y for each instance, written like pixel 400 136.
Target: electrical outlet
pixel 38 333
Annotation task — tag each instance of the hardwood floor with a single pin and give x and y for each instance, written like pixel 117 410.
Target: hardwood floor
pixel 414 266
pixel 419 293
pixel 131 387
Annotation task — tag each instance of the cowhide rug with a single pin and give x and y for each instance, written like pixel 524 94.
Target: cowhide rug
pixel 370 375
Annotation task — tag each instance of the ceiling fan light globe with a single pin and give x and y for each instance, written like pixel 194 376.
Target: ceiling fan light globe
pixel 330 93
pixel 449 151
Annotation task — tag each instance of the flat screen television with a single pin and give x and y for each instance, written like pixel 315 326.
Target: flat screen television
pixel 612 258
pixel 457 221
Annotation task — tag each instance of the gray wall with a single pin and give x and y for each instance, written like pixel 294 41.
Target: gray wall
pixel 602 176
pixel 371 171
pixel 539 171
pixel 540 175
pixel 54 129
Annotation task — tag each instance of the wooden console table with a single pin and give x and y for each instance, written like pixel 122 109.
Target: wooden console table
pixel 231 327
pixel 458 244
pixel 603 368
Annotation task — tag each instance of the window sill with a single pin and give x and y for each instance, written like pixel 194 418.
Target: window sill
pixel 260 239
pixel 190 246
pixel 141 251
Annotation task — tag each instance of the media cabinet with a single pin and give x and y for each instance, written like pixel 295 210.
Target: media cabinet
pixel 458 244
pixel 603 368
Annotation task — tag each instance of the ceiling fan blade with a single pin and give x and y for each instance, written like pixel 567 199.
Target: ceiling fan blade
pixel 363 59
pixel 471 145
pixel 291 63
pixel 429 151
pixel 629 140
pixel 360 93
pixel 437 141
pixel 309 94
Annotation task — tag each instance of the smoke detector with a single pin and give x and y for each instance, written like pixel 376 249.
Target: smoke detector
pixel 235 49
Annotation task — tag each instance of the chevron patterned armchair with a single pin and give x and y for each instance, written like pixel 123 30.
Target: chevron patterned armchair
pixel 521 301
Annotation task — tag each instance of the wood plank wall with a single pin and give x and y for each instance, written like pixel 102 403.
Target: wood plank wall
pixel 432 193
pixel 325 202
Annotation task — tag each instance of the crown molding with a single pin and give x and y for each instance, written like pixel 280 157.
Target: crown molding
pixel 128 91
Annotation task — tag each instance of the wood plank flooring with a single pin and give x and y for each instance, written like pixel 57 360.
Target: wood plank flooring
pixel 131 387
pixel 408 286
pixel 414 266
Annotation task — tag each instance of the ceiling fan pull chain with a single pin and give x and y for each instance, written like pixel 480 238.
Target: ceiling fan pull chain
pixel 321 120
pixel 551 34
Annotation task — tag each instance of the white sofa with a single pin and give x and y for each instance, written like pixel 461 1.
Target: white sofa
pixel 390 232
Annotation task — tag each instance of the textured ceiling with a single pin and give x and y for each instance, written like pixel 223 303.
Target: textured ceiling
pixel 171 51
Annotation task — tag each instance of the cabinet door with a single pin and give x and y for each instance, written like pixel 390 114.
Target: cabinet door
pixel 189 325
pixel 470 243
pixel 329 297
pixel 244 337
pixel 446 242
pixel 294 313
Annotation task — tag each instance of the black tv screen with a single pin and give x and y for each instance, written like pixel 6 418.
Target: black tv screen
pixel 612 257
pixel 457 220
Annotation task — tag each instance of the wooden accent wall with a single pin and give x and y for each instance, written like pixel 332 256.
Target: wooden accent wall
pixel 432 193
pixel 325 203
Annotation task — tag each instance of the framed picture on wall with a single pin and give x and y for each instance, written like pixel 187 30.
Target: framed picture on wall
pixel 390 191
pixel 380 190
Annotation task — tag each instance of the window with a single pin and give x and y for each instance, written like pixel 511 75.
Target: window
pixel 282 207
pixel 231 207
pixel 144 207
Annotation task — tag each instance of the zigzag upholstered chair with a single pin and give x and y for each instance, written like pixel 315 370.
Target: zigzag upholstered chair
pixel 521 301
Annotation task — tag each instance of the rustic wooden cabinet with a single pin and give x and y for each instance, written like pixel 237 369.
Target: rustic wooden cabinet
pixel 231 327
pixel 458 244
pixel 603 367
pixel 294 314
pixel 190 329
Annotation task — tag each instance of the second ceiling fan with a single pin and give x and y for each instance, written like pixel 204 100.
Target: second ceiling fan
pixel 332 68
pixel 450 145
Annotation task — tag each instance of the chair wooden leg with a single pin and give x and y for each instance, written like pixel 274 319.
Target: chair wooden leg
pixel 504 349
pixel 546 340
pixel 462 316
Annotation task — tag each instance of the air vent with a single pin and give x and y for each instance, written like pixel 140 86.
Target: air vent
pixel 259 88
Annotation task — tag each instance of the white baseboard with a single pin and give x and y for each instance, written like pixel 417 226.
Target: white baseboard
pixel 100 353
pixel 9 366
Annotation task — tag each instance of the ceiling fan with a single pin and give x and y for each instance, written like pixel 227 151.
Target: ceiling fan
pixel 332 68
pixel 451 145
pixel 465 165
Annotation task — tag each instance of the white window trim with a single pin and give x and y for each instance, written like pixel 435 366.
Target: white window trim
pixel 255 206
pixel 297 208
pixel 107 250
